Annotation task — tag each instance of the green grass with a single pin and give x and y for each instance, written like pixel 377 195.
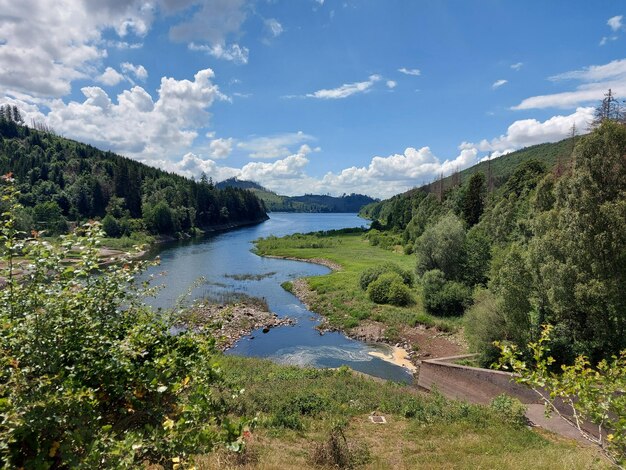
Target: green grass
pixel 128 242
pixel 338 295
pixel 422 431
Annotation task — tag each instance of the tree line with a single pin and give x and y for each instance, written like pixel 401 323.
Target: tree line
pixel 63 182
pixel 548 246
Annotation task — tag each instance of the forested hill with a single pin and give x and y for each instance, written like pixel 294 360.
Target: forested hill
pixel 62 181
pixel 546 247
pixel 307 203
pixel 555 156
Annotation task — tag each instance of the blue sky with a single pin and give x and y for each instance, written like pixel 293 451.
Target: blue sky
pixel 333 96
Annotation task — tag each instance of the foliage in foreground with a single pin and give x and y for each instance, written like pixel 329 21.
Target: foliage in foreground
pixel 588 393
pixel 90 377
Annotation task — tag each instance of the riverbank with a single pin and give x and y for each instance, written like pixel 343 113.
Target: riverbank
pixel 344 307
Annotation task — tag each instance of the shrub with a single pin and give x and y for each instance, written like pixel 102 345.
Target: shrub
pixel 399 294
pixel 378 291
pixel 444 298
pixel 509 409
pixel 337 452
pixel 371 274
pixel 91 378
pixel 485 323
pixel 111 226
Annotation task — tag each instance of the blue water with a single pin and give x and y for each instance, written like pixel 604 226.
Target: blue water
pixel 216 257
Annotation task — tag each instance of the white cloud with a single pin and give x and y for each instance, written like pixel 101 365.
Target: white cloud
pixel 596 80
pixel 211 20
pixel 391 84
pixel 234 53
pixel 615 23
pixel 274 27
pixel 139 71
pixel 136 125
pixel 414 72
pixel 499 83
pixel 346 90
pixel 221 148
pixel 517 66
pixel 47 48
pixel 527 132
pixel 110 77
pixel 592 73
pixel 276 146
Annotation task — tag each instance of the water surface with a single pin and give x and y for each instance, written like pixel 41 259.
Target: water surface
pixel 219 257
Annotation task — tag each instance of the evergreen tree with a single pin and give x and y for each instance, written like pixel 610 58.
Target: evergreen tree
pixel 473 201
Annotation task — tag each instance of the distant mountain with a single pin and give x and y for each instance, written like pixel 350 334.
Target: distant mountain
pixel 239 184
pixel 307 203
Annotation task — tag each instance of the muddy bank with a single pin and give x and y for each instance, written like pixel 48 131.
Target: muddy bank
pixel 231 322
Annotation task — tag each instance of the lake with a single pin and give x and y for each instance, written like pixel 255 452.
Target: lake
pixel 217 257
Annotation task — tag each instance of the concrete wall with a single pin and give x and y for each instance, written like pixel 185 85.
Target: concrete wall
pixel 470 383
pixel 478 385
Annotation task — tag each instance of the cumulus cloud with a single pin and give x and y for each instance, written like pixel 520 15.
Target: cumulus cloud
pixel 276 146
pixel 499 83
pixel 138 71
pixel 47 48
pixel 517 66
pixel 221 148
pixel 391 84
pixel 527 132
pixel 234 52
pixel 596 79
pixel 346 90
pixel 110 77
pixel 135 124
pixel 414 72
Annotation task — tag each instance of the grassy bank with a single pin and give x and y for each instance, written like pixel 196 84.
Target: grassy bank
pixel 422 431
pixel 338 295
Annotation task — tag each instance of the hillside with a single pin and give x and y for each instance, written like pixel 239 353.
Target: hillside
pixel 63 182
pixel 307 203
pixel 551 154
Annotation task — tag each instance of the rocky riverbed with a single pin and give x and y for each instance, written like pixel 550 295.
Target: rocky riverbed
pixel 230 322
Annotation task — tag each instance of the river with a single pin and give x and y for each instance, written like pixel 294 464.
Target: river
pixel 217 257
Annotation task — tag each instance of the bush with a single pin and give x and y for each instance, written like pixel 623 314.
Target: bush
pixel 484 324
pixel 371 274
pixel 337 452
pixel 91 378
pixel 399 294
pixel 444 298
pixel 111 226
pixel 378 291
pixel 509 409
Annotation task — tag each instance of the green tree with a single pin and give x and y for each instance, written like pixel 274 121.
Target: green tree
pixel 161 219
pixel 90 377
pixel 473 199
pixel 442 247
pixel 579 392
pixel 578 256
